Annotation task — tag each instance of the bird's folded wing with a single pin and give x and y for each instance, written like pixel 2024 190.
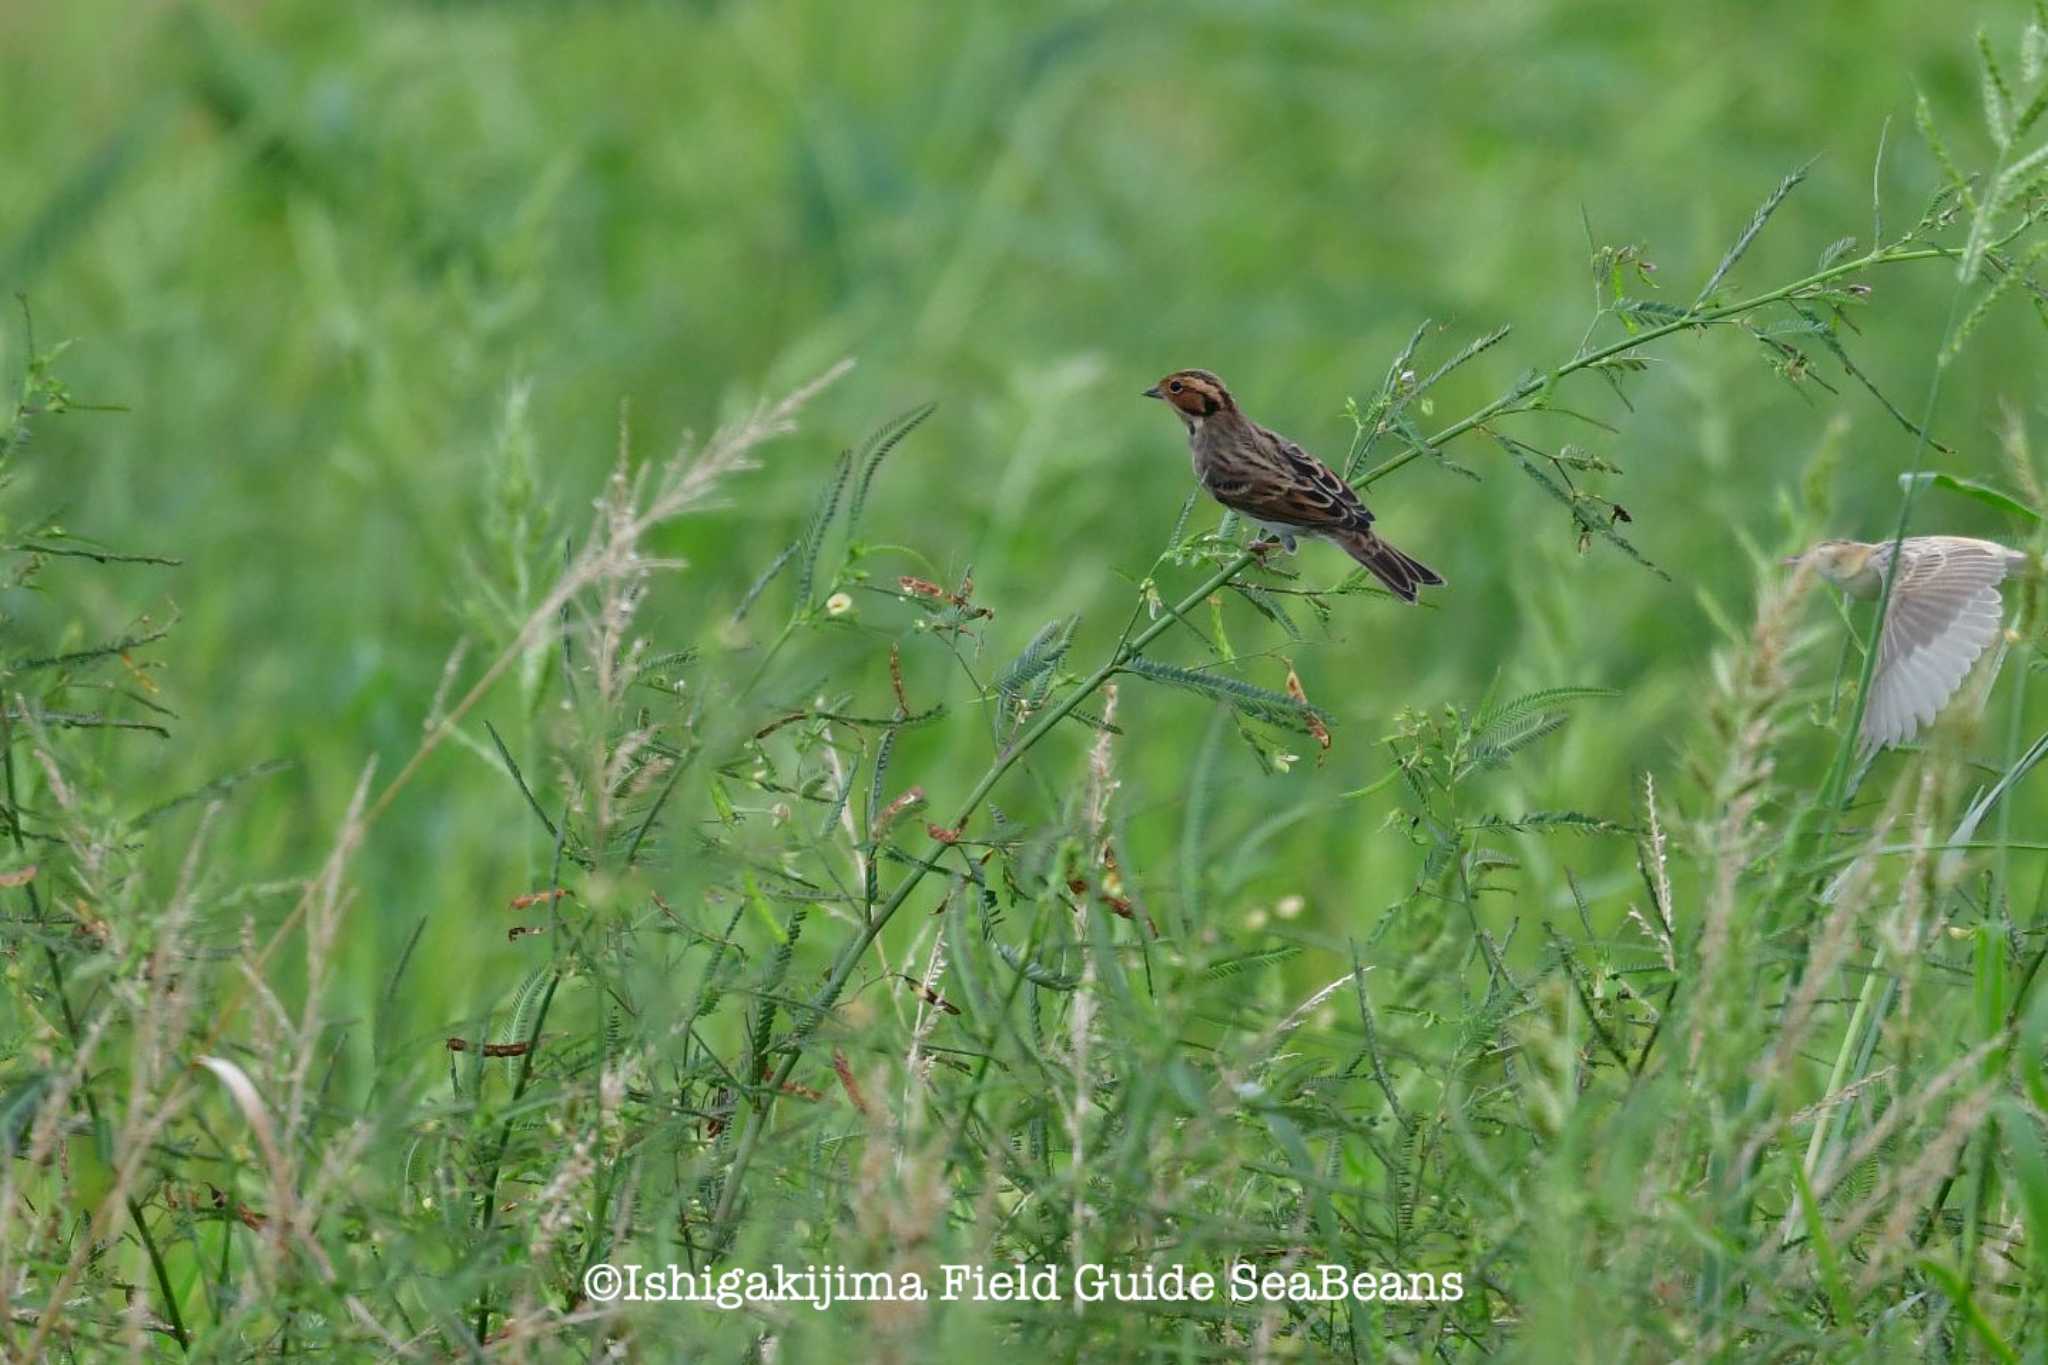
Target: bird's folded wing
pixel 1293 488
pixel 1944 612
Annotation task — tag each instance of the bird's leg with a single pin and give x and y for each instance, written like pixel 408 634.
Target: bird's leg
pixel 1268 541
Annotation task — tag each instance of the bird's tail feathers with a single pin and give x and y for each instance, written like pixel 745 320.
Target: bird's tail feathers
pixel 1403 574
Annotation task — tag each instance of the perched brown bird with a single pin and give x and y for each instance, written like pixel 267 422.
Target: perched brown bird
pixel 1944 612
pixel 1272 481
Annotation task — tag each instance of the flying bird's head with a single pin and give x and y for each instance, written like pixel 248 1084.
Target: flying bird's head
pixel 1848 564
pixel 1196 395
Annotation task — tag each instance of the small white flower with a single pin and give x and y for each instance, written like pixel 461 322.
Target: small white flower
pixel 1285 761
pixel 1255 918
pixel 838 604
pixel 1287 907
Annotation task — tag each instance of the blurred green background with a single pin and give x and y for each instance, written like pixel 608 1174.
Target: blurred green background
pixel 316 250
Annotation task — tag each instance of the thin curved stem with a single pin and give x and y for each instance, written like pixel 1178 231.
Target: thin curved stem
pixel 1705 317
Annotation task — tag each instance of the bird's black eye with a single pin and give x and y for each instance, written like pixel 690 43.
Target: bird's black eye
pixel 1174 387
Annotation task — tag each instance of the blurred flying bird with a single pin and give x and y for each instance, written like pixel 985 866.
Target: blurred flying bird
pixel 1943 613
pixel 1270 480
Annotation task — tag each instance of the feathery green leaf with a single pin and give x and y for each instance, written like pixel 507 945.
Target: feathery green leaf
pixel 1276 708
pixel 1971 488
pixel 760 584
pixel 821 521
pixel 1244 962
pixel 876 449
pixel 1997 95
pixel 1028 676
pixel 1749 233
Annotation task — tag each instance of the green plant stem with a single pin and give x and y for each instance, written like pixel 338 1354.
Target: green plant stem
pixel 172 1313
pixel 1840 1071
pixel 1836 793
pixel 1529 387
pixel 490 1210
pixel 850 954
pixel 540 1017
pixel 162 1272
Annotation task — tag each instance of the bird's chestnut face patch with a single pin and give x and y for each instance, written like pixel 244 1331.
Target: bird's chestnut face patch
pixel 1196 397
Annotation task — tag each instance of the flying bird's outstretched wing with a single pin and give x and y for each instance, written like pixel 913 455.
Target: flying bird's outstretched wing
pixel 1944 613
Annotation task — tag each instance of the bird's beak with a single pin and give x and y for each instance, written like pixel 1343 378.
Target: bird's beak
pixel 1153 392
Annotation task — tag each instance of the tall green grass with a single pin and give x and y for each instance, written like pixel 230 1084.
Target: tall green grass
pixel 843 920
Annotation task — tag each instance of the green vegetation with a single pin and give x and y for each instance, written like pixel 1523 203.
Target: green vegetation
pixel 462 829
